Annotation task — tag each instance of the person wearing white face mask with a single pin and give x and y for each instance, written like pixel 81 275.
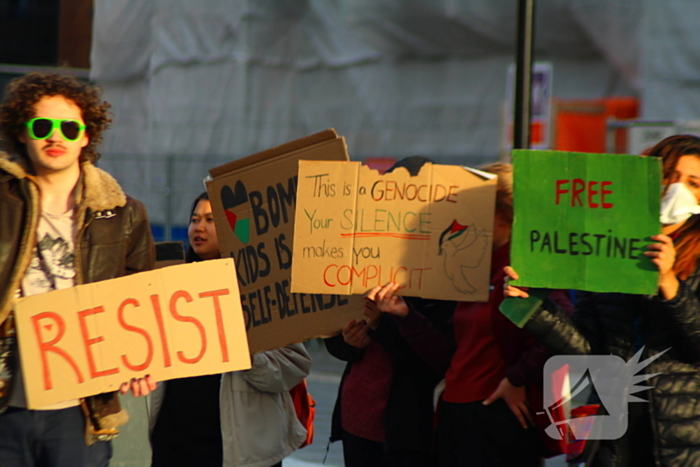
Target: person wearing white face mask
pixel 666 326
pixel 678 204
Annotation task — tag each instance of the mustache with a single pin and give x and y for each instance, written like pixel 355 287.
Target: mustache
pixel 54 145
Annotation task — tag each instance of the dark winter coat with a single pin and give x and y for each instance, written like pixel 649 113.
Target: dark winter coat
pixel 620 324
pixel 409 409
pixel 113 239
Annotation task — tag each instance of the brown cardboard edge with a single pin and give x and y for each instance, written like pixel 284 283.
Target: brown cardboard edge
pixel 291 146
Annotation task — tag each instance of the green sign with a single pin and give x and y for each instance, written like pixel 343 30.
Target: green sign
pixel 582 221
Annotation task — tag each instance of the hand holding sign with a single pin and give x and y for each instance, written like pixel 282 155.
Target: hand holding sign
pixel 139 386
pixel 372 313
pixel 173 322
pixel 355 334
pixel 388 302
pixel 511 290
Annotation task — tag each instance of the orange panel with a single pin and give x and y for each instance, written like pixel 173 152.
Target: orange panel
pixel 581 124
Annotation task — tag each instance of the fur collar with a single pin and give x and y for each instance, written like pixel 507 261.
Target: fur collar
pixel 100 190
pixel 13 166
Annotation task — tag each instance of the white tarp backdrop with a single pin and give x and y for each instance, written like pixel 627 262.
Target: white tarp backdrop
pixel 195 84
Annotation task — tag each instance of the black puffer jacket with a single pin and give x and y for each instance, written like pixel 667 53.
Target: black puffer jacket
pixel 620 324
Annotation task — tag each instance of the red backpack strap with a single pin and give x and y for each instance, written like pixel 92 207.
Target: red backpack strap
pixel 305 407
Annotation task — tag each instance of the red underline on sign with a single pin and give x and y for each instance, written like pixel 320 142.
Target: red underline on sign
pixel 386 234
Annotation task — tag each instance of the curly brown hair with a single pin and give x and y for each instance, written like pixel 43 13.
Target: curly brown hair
pixel 22 94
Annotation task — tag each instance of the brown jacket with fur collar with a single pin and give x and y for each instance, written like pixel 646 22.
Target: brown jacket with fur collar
pixel 113 239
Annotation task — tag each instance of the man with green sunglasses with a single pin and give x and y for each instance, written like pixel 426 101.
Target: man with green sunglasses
pixel 63 222
pixel 43 128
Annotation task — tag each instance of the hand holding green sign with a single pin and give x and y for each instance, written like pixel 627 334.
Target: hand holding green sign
pixel 582 221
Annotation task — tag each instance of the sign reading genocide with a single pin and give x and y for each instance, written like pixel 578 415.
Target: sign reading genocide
pixel 356 229
pixel 583 221
pixel 254 200
pixel 174 322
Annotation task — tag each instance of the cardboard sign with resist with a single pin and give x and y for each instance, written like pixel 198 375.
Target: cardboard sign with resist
pixel 357 229
pixel 170 323
pixel 254 204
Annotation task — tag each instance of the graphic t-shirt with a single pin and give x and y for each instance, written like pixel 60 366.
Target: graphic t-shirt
pixel 52 268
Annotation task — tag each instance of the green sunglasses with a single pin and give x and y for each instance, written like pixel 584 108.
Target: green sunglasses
pixel 42 128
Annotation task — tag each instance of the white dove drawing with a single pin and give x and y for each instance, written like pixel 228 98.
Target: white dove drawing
pixel 463 247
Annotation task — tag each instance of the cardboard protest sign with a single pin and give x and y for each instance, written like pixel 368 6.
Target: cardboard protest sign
pixel 170 323
pixel 253 201
pixel 357 229
pixel 583 221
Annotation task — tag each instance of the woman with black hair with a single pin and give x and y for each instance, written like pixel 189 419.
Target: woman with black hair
pixel 242 418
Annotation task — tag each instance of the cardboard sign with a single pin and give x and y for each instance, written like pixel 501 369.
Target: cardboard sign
pixel 583 221
pixel 254 200
pixel 175 322
pixel 357 229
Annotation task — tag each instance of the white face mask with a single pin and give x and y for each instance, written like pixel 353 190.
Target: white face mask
pixel 678 204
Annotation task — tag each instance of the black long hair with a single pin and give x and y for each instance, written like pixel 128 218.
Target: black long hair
pixel 191 256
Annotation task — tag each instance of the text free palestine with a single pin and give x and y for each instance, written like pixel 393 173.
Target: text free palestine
pixel 574 243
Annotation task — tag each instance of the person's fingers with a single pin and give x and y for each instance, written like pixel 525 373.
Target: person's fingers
pixel 151 382
pixel 348 326
pixel 495 395
pixel 355 330
pixel 124 388
pixel 357 334
pixel 388 291
pixel 510 272
pixel 382 292
pixel 144 389
pixel 528 414
pixel 351 333
pixel 135 389
pixel 515 292
pixel 516 411
pixel 371 308
pixel 395 286
pixel 665 239
pixel 372 293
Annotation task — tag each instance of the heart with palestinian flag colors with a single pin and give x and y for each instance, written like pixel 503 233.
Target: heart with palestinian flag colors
pixel 230 200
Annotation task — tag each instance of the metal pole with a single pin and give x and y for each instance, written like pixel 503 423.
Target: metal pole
pixel 169 182
pixel 523 74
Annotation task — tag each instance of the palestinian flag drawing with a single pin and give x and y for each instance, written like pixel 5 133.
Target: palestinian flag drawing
pixel 232 199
